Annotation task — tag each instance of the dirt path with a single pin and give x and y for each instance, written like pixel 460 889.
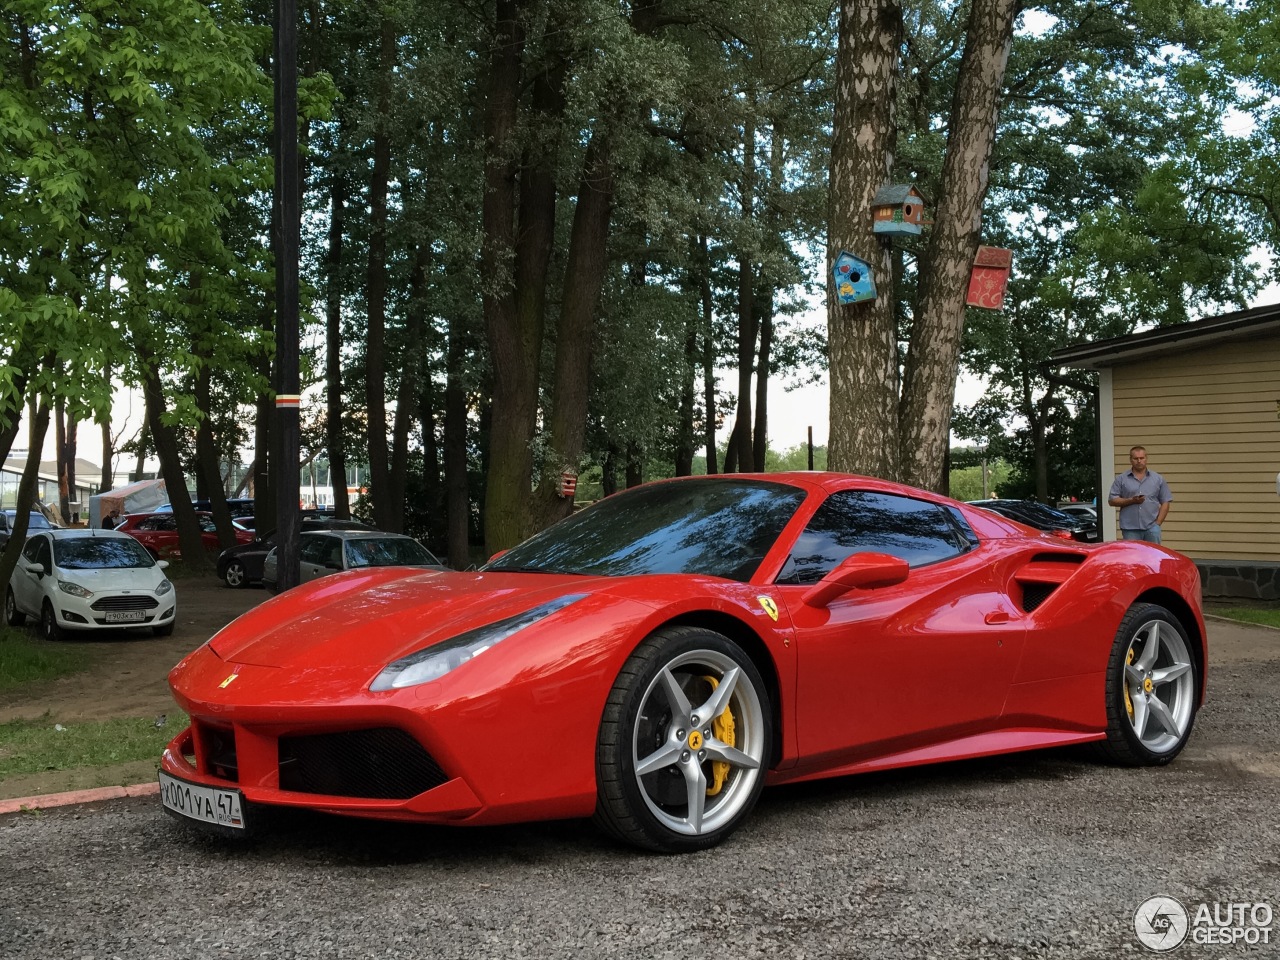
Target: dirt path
pixel 127 673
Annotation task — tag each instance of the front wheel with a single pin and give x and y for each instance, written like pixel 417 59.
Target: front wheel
pixel 49 628
pixel 235 575
pixel 684 742
pixel 12 615
pixel 1152 688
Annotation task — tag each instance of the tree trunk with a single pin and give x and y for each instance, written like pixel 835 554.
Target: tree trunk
pixel 407 394
pixel 514 299
pixel 60 444
pixel 740 441
pixel 457 507
pixel 760 446
pixel 207 469
pixel 684 437
pixel 107 479
pixel 862 337
pixel 190 541
pixel 575 335
pixel 929 380
pixel 38 427
pixel 708 356
pixel 144 441
pixel 376 290
pixel 334 439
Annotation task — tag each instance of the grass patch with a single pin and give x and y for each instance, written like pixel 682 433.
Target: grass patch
pixel 25 659
pixel 1266 616
pixel 35 746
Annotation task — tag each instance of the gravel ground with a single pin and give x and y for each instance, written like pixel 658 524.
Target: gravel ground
pixel 1041 855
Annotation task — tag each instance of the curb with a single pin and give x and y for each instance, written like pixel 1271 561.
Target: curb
pixel 28 804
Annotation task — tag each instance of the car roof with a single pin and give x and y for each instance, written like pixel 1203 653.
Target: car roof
pixel 357 534
pixel 96 533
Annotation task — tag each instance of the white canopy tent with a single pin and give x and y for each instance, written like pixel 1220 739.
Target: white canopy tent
pixel 141 497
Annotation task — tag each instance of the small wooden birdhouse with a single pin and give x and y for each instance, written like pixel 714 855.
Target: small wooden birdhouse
pixel 989 278
pixel 852 277
pixel 898 208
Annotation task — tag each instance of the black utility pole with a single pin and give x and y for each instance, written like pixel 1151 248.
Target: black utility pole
pixel 288 218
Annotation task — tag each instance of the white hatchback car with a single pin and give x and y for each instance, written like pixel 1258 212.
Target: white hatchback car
pixel 89 580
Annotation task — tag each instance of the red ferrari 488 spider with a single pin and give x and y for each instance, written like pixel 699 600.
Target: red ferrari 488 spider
pixel 658 658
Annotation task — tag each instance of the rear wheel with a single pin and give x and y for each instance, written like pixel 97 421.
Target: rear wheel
pixel 12 615
pixel 49 628
pixel 684 742
pixel 1152 688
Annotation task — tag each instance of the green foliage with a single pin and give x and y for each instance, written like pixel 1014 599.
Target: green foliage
pixel 965 483
pixel 1265 616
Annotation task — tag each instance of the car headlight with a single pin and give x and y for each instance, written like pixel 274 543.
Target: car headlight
pixel 435 661
pixel 66 586
pixel 165 587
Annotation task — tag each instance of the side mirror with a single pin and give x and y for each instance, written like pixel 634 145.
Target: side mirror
pixel 162 564
pixel 860 570
pixel 37 568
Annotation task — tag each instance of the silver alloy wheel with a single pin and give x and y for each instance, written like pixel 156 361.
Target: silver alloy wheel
pixel 11 615
pixel 683 741
pixel 234 575
pixel 1159 684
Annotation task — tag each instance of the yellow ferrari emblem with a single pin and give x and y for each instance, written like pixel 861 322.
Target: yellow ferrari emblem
pixel 695 740
pixel 227 682
pixel 770 607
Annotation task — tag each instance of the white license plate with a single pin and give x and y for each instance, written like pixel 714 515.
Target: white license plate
pixel 126 616
pixel 223 808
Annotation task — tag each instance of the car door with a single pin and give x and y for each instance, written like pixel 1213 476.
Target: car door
pixel 316 555
pixel 885 669
pixel 28 587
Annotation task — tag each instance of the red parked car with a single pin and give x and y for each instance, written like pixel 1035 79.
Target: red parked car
pixel 158 532
pixel 658 658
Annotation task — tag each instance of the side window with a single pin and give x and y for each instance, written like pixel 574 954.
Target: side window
pixel 860 521
pixel 32 549
pixel 43 553
pixel 312 549
pixel 207 525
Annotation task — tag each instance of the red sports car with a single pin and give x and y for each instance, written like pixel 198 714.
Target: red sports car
pixel 158 532
pixel 656 659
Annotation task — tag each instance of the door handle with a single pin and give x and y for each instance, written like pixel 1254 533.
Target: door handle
pixel 997 616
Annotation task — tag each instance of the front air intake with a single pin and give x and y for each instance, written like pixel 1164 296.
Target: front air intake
pixel 379 764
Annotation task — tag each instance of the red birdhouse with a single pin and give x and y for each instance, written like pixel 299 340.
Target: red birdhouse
pixel 568 484
pixel 989 278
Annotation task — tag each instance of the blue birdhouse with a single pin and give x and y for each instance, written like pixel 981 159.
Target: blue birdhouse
pixel 897 209
pixel 853 280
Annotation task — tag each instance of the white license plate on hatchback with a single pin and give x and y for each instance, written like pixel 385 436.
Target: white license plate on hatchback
pixel 222 808
pixel 125 616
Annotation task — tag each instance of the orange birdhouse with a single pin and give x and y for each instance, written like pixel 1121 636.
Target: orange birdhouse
pixel 989 278
pixel 897 209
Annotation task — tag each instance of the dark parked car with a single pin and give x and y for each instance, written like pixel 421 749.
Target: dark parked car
pixel 1043 517
pixel 334 551
pixel 35 523
pixel 241 565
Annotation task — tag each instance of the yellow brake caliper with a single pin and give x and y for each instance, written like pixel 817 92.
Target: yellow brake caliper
pixel 1128 704
pixel 724 730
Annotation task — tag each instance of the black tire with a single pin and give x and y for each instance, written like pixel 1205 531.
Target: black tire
pixel 49 628
pixel 1152 691
pixel 696 800
pixel 12 615
pixel 235 575
pixel 165 630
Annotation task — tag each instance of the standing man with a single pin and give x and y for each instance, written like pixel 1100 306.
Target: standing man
pixel 1143 498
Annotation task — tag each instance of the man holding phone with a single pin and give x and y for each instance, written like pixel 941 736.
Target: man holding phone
pixel 1143 498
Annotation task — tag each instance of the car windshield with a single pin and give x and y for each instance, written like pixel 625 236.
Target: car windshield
pixel 35 521
pixel 91 553
pixel 721 527
pixel 388 552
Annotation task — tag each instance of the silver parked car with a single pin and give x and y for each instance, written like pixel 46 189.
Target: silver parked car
pixel 332 551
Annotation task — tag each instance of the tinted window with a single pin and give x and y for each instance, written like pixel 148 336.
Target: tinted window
pixel 388 552
pixel 858 521
pixel 87 553
pixel 31 549
pixel 718 527
pixel 318 549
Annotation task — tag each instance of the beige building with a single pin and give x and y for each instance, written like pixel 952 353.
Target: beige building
pixel 1204 399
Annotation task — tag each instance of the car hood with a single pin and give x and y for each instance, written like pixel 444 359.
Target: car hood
pixel 374 615
pixel 115 578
